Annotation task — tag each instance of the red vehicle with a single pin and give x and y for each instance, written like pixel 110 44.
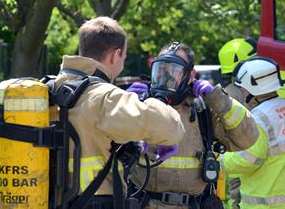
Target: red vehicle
pixel 271 42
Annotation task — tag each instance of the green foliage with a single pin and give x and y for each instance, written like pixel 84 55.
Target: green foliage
pixel 205 25
pixel 6 31
pixel 62 33
pixel 62 39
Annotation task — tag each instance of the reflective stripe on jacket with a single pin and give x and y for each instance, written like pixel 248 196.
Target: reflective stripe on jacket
pixel 182 173
pixel 261 168
pixel 105 112
pixel 233 124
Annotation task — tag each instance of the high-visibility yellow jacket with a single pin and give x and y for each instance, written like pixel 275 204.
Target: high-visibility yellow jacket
pixel 261 168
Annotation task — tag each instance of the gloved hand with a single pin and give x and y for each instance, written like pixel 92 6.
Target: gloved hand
pixel 202 87
pixel 141 89
pixel 164 152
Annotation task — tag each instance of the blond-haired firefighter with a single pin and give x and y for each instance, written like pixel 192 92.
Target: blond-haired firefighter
pixel 105 112
pixel 261 168
pixel 177 183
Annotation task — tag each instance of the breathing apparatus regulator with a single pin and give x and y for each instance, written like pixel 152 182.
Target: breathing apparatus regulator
pixel 170 75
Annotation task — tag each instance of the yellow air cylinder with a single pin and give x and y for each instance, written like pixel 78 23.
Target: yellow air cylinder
pixel 24 169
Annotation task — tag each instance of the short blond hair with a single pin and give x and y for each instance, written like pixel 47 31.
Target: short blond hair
pixel 99 35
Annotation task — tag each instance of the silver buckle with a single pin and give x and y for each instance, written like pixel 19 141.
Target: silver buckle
pixel 172 198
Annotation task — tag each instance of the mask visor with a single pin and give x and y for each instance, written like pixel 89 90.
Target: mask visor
pixel 166 75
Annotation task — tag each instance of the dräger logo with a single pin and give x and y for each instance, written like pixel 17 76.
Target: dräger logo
pixel 9 198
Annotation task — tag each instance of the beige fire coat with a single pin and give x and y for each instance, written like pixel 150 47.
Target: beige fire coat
pixel 105 112
pixel 233 126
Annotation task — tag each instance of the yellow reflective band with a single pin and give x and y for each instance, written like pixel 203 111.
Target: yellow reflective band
pixel 95 163
pixel 181 163
pixel 89 166
pixel 86 176
pixel 250 158
pixel 234 117
pixel 263 200
pixel 24 104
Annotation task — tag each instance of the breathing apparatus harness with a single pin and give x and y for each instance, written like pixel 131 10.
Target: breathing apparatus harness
pixel 211 166
pixel 128 154
pixel 175 96
pixel 62 194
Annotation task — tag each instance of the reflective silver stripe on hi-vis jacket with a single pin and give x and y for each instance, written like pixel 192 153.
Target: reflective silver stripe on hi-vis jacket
pixel 251 158
pixel 263 200
pixel 276 144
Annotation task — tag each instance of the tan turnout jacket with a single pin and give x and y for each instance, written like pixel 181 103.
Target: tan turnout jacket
pixel 105 112
pixel 233 126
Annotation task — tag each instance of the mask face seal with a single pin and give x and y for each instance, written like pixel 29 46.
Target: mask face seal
pixel 170 76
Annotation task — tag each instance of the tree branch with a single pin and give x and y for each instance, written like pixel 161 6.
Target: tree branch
pixel 33 34
pixel 101 7
pixel 25 5
pixel 23 8
pixel 5 15
pixel 78 18
pixel 119 9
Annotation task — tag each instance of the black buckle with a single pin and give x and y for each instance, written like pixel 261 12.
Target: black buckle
pixel 50 137
pixel 172 198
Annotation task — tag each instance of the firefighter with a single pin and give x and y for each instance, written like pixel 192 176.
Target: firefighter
pixel 105 112
pixel 230 55
pixel 261 167
pixel 177 183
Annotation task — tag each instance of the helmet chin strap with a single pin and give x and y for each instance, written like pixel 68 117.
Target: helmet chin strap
pixel 249 98
pixel 259 99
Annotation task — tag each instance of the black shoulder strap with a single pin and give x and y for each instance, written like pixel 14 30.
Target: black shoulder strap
pixel 205 123
pixel 66 96
pixel 68 93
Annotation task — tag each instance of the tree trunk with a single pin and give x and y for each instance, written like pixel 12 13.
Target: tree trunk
pixel 29 40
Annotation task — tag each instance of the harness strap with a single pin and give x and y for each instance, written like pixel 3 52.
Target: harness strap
pixel 173 198
pixel 83 199
pixel 44 137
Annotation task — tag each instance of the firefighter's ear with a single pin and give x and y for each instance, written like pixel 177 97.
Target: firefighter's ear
pixel 116 55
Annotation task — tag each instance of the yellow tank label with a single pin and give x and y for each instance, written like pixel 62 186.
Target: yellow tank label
pixel 24 169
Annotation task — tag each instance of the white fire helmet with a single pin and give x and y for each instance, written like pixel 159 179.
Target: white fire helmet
pixel 258 75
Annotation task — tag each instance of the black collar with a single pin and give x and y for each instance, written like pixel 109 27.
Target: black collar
pixel 98 73
pixel 102 75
